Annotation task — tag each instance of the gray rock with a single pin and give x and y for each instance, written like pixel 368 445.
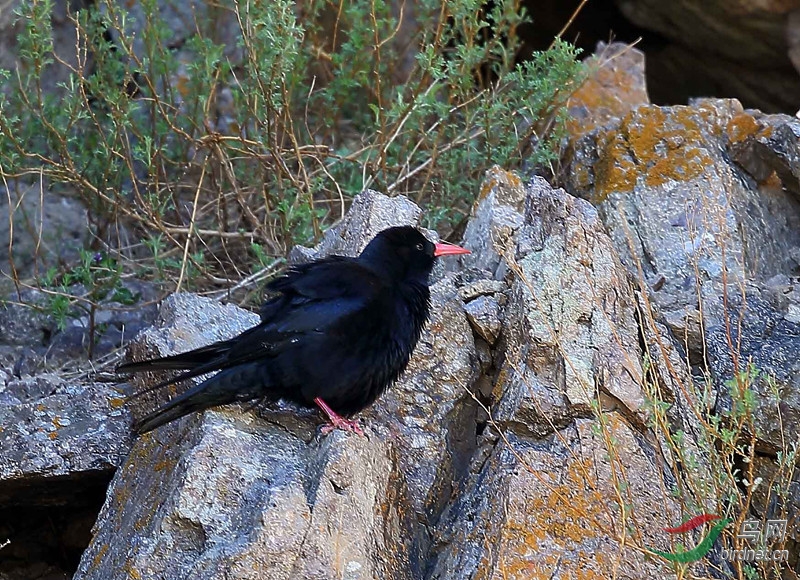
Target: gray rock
pixel 231 493
pixel 754 319
pixel 58 228
pixel 370 213
pixel 676 206
pixel 541 508
pixel 569 332
pixel 234 497
pixel 484 315
pixel 23 323
pixel 52 429
pixel 763 144
pixel 481 287
pixel 495 216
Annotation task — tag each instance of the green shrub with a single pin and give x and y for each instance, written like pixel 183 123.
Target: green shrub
pixel 203 157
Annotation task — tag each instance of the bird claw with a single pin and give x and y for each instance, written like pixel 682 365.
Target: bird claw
pixel 336 421
pixel 344 425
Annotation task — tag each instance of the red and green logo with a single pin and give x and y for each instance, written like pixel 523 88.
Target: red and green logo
pixel 705 544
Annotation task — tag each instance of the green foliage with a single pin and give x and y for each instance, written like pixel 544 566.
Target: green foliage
pixel 78 290
pixel 205 152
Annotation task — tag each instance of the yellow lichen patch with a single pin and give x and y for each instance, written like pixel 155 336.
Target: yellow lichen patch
pixel 57 422
pixel 116 402
pixel 99 556
pixel 657 144
pixel 163 464
pixel 772 180
pixel 740 127
pixel 132 572
pixel 692 164
pixel 53 434
pixel 610 92
pixel 496 176
pixel 554 528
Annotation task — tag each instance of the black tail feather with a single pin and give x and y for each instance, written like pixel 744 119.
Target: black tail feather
pixel 185 361
pixel 224 387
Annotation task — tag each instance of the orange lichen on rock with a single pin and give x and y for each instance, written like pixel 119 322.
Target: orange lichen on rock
pixel 740 127
pixel 744 126
pixel 614 86
pixel 496 176
pixel 116 402
pixel 569 519
pixel 656 144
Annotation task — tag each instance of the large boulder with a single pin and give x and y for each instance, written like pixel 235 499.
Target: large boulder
pixel 232 492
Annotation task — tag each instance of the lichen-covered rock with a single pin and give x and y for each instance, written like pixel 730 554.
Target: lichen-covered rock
pixel 679 211
pixel 765 145
pixel 233 496
pixel 52 429
pixel 496 215
pixel 542 508
pixel 614 86
pixel 566 425
pixel 235 493
pixel 569 332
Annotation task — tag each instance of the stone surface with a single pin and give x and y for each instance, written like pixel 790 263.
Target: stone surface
pixel 570 331
pixel 52 429
pixel 32 340
pixel 49 229
pixel 721 47
pixel 759 322
pixel 701 203
pixel 679 211
pixel 614 86
pixel 369 213
pixel 232 493
pixel 484 314
pixel 767 146
pixel 496 215
pixel 544 506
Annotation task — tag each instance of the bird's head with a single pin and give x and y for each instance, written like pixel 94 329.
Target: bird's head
pixel 405 254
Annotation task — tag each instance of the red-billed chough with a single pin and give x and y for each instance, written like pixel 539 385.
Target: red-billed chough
pixel 336 334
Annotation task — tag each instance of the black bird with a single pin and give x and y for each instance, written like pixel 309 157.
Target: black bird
pixel 336 334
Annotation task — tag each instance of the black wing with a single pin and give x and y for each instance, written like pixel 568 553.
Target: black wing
pixel 311 299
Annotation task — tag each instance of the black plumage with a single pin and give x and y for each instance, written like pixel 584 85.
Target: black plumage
pixel 336 333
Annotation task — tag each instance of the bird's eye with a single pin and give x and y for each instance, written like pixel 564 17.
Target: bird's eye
pixel 420 247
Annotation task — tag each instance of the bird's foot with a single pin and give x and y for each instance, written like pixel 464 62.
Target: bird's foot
pixel 344 425
pixel 337 421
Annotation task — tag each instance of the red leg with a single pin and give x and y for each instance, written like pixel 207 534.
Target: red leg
pixel 337 422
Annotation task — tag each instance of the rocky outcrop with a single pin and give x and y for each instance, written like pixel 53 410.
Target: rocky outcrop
pixel 702 205
pixel 492 432
pixel 262 494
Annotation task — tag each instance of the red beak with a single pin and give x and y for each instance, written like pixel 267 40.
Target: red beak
pixel 443 249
